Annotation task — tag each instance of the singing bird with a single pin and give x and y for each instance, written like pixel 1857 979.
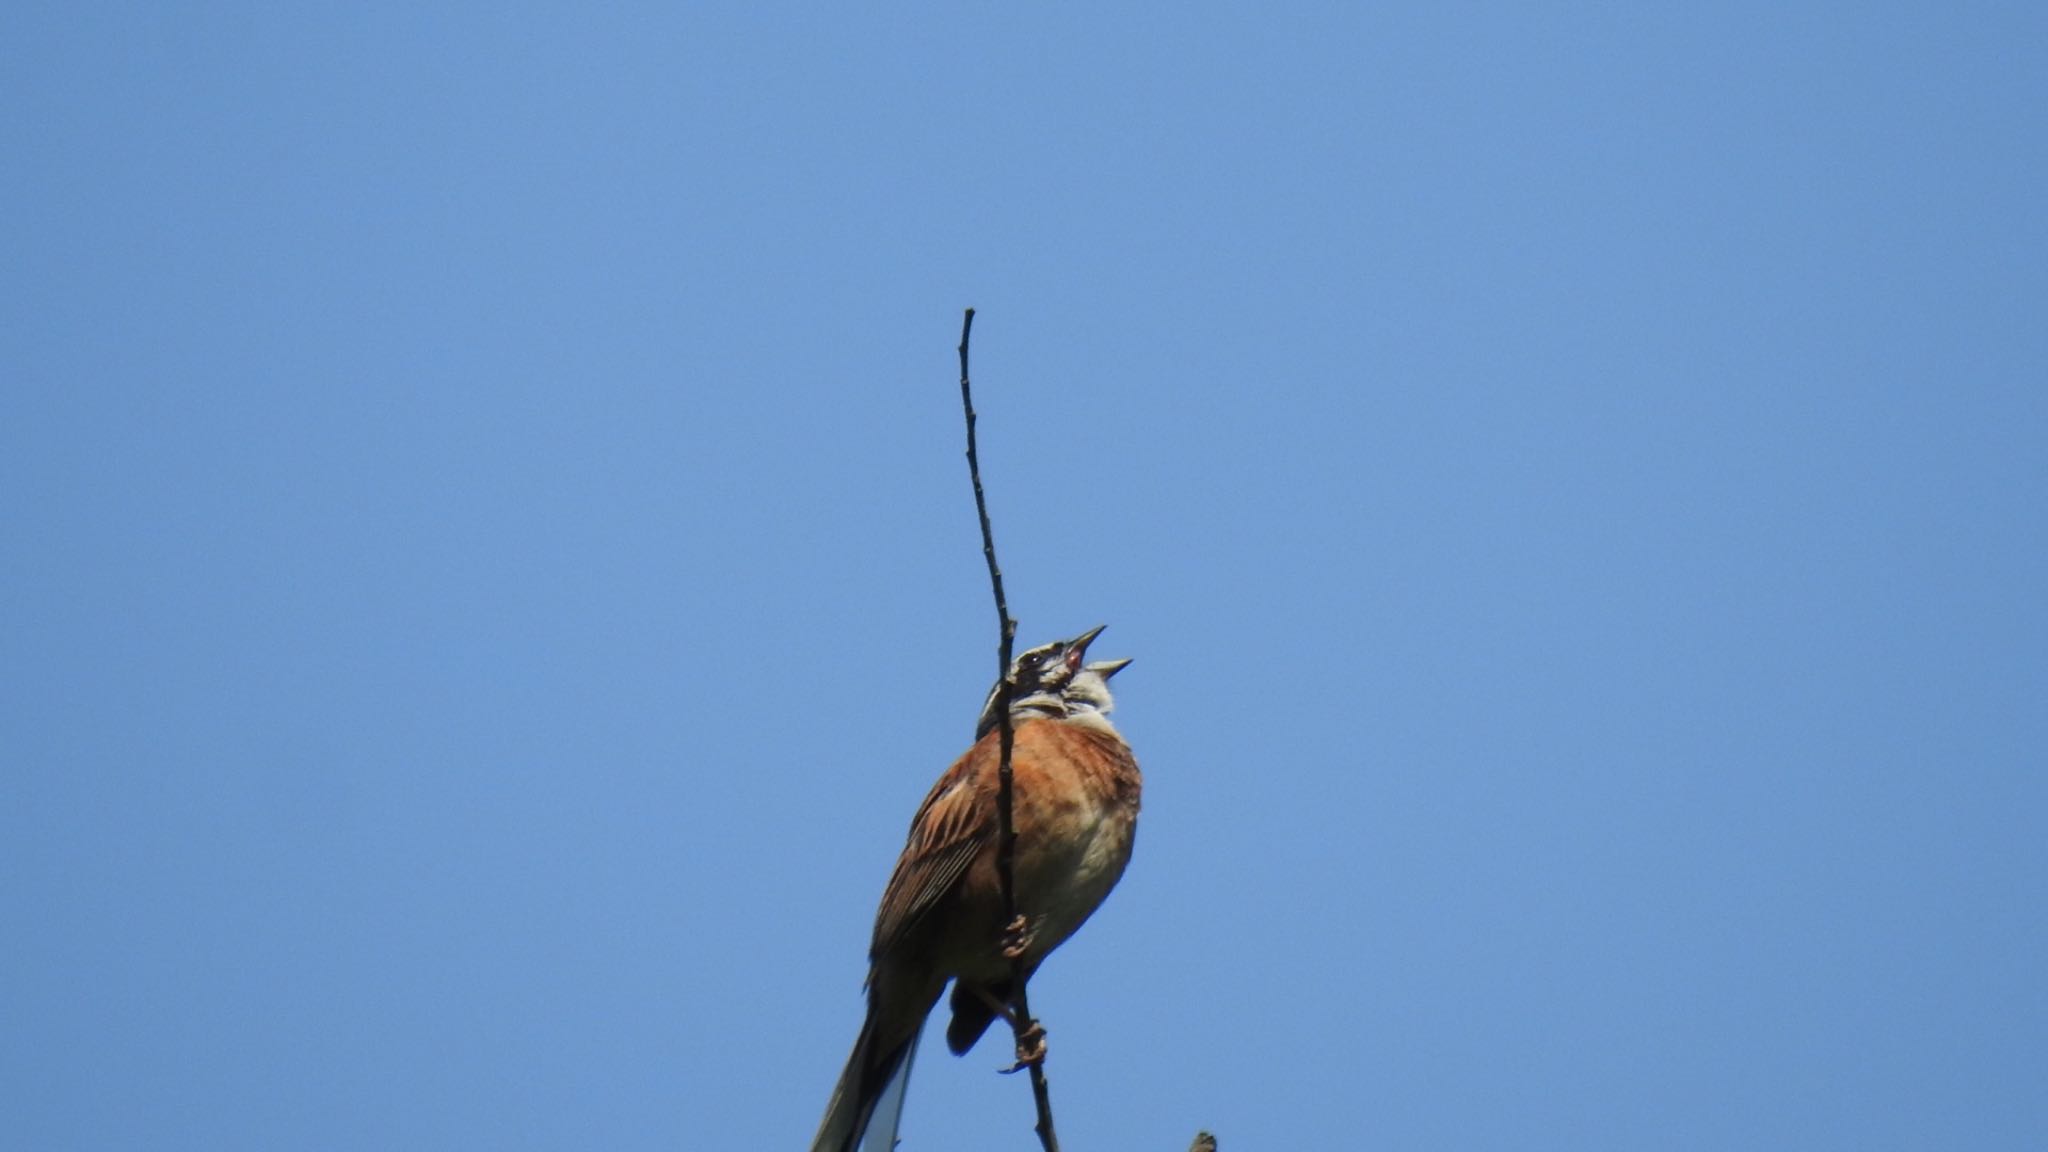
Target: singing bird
pixel 1074 805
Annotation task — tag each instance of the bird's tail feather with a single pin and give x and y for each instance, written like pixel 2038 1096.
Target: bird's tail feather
pixel 888 1115
pixel 869 1095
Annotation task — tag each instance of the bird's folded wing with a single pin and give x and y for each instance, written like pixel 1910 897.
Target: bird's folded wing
pixel 951 827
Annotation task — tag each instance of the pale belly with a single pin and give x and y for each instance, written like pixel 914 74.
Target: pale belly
pixel 1067 884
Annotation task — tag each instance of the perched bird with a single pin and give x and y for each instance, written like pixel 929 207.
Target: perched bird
pixel 1074 806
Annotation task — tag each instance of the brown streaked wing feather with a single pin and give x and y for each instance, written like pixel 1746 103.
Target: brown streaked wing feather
pixel 950 827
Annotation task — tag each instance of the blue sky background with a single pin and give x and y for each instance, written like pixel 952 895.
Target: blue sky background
pixel 489 571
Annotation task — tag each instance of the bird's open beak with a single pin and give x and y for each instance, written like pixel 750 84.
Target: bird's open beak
pixel 1077 649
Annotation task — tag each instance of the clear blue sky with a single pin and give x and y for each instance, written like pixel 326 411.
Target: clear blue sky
pixel 488 569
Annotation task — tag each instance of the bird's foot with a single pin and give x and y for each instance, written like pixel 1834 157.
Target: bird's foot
pixel 1030 1048
pixel 1017 938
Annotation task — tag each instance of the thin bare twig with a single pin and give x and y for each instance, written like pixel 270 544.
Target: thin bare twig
pixel 1030 1037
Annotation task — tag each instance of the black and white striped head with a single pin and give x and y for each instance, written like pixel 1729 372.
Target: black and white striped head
pixel 1055 681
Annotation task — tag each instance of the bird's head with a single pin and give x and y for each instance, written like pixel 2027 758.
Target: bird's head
pixel 1056 681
